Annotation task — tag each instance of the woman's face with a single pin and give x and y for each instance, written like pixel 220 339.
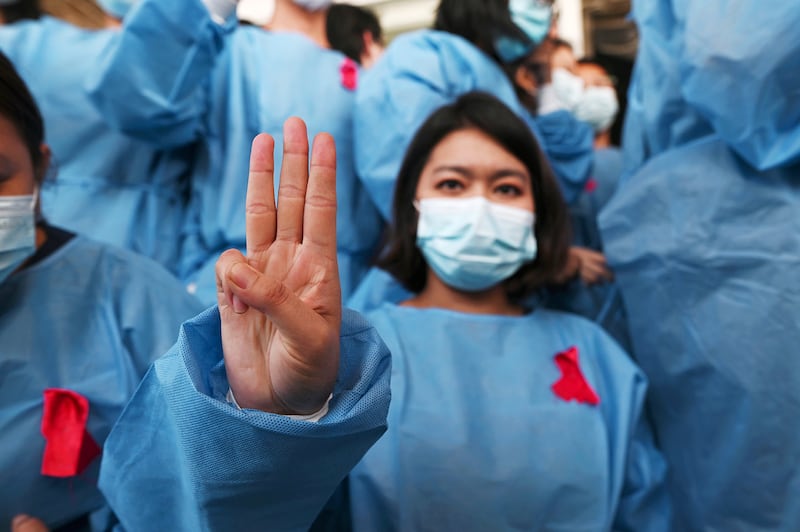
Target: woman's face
pixel 17 174
pixel 469 163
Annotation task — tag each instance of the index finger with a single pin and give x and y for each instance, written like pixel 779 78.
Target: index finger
pixel 319 219
pixel 260 212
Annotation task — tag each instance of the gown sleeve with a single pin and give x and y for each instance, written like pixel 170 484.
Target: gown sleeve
pixel 182 458
pixel 152 82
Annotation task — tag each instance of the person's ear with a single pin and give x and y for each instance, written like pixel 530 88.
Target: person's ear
pixel 525 79
pixel 44 163
pixel 371 49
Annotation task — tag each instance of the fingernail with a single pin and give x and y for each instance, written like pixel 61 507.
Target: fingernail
pixel 238 306
pixel 243 275
pixel 19 519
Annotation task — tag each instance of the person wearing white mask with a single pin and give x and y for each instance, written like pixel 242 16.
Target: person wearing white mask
pixel 185 72
pixel 504 415
pixel 109 186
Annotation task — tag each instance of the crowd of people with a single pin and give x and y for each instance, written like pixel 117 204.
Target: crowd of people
pixel 289 276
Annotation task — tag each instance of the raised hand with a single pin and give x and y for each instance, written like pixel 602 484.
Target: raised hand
pixel 281 305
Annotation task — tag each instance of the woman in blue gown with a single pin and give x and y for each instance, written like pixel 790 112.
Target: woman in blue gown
pixel 502 417
pixel 80 323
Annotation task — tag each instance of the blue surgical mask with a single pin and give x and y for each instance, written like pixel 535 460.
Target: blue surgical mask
pixel 473 244
pixel 533 18
pixel 117 8
pixel 17 232
pixel 598 107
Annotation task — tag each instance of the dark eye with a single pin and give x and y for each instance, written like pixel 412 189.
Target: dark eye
pixel 450 184
pixel 508 190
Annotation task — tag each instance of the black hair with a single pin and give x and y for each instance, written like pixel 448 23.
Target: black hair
pixel 402 258
pixel 20 10
pixel 481 22
pixel 346 26
pixel 19 107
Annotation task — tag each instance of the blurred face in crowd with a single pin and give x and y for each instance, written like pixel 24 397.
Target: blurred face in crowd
pixel 17 173
pixel 594 75
pixel 564 57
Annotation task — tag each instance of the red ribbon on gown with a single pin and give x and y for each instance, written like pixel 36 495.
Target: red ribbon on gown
pixel 70 448
pixel 572 386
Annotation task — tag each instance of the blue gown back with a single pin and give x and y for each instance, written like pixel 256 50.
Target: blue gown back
pixel 104 184
pixel 704 236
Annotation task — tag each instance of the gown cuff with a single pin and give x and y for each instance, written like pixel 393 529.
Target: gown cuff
pixel 312 418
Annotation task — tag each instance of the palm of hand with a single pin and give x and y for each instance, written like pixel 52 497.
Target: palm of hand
pixel 281 306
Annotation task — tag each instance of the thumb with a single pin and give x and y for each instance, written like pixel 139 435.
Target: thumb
pixel 26 523
pixel 270 297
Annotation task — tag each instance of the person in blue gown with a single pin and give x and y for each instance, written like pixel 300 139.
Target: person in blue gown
pixel 180 73
pixel 485 433
pixel 703 233
pixel 105 184
pixel 251 420
pixel 474 45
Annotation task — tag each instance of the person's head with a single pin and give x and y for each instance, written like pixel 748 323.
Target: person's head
pixel 506 30
pixel 599 104
pixel 563 56
pixel 24 158
pixel 478 148
pixel 15 10
pixel 356 32
pixel 530 74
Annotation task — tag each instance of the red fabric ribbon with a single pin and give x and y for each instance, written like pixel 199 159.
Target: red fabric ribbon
pixel 70 448
pixel 591 185
pixel 572 385
pixel 349 74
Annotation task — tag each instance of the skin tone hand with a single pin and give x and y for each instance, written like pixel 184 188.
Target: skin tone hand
pixel 589 264
pixel 26 523
pixel 281 305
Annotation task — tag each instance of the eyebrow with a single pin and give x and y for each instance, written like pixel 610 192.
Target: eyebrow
pixel 466 172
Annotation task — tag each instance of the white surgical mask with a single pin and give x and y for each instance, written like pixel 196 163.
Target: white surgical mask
pixel 17 232
pixel 473 244
pixel 598 107
pixel 564 92
pixel 313 5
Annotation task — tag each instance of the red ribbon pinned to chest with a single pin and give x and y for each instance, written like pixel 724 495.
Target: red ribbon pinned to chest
pixel 70 448
pixel 572 386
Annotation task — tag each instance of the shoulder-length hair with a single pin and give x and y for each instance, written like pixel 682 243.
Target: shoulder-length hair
pixel 402 258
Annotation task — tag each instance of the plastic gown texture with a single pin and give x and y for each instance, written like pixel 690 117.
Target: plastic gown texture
pixel 703 234
pixel 425 70
pixel 89 318
pixel 105 185
pixel 478 438
pixel 223 86
pixel 230 469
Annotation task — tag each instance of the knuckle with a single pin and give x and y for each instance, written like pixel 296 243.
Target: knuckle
pixel 259 208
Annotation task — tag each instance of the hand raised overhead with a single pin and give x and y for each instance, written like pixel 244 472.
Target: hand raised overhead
pixel 281 305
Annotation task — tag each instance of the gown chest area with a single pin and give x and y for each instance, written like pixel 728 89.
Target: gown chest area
pixel 477 438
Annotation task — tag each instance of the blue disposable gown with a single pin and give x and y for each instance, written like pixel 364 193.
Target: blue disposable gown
pixel 106 185
pixel 425 70
pixel 478 440
pixel 181 458
pixel 704 236
pixel 223 88
pixel 89 318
